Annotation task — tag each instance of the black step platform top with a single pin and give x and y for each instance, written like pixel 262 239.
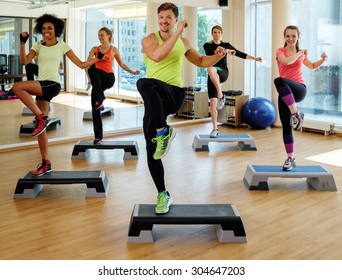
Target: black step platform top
pixel 81 148
pixel 186 213
pixel 53 121
pixel 105 111
pixel 144 217
pixel 64 177
pixel 226 136
pixel 106 144
pixel 30 186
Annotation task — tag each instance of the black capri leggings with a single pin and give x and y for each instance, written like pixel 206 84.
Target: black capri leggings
pixel 299 92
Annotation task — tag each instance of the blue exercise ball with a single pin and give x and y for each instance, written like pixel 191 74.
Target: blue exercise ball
pixel 259 112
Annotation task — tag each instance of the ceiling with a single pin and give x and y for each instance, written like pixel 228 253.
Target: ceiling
pixel 38 3
pixel 35 2
pixel 42 3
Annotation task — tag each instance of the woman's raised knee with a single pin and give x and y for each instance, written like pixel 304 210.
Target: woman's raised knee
pixel 278 82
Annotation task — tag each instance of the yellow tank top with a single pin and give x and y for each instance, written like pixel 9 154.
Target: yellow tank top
pixel 169 70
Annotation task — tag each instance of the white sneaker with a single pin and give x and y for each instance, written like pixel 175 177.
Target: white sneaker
pixel 220 103
pixel 214 133
pixel 289 164
pixel 297 120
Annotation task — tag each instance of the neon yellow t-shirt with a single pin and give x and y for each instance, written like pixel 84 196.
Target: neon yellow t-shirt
pixel 49 59
pixel 168 70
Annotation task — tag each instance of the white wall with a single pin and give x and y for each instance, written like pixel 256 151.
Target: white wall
pixel 237 39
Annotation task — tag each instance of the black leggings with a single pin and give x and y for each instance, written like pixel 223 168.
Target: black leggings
pixel 160 100
pixel 100 81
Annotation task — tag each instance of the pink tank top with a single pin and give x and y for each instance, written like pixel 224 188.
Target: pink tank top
pixel 293 71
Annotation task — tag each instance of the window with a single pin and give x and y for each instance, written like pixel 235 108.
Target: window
pixel 207 18
pixel 132 56
pixel 320 32
pixel 126 32
pixel 262 32
pixel 94 20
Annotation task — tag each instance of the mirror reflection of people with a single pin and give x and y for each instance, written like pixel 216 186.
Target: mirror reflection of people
pixel 102 76
pixel 162 90
pixel 218 73
pixel 49 53
pixel 291 87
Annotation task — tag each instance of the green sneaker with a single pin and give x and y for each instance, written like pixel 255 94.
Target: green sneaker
pixel 163 143
pixel 164 201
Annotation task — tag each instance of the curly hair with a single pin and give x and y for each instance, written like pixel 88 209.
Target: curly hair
pixel 168 6
pixel 57 23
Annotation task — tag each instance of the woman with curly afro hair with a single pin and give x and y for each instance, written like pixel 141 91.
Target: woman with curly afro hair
pixel 49 52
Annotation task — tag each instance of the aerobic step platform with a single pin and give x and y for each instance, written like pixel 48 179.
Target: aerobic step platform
pixel 107 111
pixel 27 112
pixel 81 149
pixel 245 141
pixel 96 181
pixel 27 129
pixel 225 217
pixel 318 177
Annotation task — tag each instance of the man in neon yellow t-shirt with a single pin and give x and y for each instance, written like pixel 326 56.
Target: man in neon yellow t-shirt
pixel 162 90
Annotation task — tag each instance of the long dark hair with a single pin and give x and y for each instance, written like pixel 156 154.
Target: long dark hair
pixel 292 27
pixel 57 23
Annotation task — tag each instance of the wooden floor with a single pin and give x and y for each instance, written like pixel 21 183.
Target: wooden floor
pixel 290 221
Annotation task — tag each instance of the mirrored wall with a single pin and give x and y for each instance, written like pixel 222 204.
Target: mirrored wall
pixel 71 108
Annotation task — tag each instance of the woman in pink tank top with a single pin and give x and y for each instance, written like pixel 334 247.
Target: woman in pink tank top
pixel 291 87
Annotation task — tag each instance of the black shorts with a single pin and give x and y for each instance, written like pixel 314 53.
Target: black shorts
pixel 223 75
pixel 50 90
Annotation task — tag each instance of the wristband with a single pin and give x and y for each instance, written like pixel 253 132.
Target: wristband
pixel 22 38
pixel 100 55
